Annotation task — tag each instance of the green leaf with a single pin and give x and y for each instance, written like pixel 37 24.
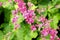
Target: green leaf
pixel 47 37
pixel 7 28
pixel 16 6
pixel 58 16
pixel 33 7
pixel 7 14
pixel 53 10
pixel 54 22
pixel 3 0
pixel 20 34
pixel 1 35
pixel 27 37
pixel 21 18
pixel 34 34
pixel 23 32
pixel 39 38
pixel 12 35
pixel 34 1
pixel 8 5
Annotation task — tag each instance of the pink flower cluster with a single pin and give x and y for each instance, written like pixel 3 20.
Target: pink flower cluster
pixel 42 19
pixel 14 12
pixel 53 34
pixel 21 5
pixel 45 31
pixel 15 19
pixel 45 22
pixel 28 14
pixel 50 31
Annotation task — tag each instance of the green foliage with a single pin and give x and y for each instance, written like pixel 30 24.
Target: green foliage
pixel 1 35
pixel 34 1
pixel 9 5
pixel 47 37
pixel 34 34
pixel 54 22
pixel 7 28
pixel 7 14
pixel 22 33
pixel 3 0
pixel 21 18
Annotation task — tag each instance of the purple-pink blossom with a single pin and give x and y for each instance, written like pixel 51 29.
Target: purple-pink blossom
pixel 58 38
pixel 33 28
pixel 53 32
pixel 52 37
pixel 39 25
pixel 14 12
pixel 45 31
pixel 42 19
pixel 16 26
pixel 29 16
pixel 18 1
pixel 46 23
pixel 0 3
pixel 22 6
pixel 14 20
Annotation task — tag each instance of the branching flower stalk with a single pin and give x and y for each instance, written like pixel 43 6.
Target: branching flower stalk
pixel 15 19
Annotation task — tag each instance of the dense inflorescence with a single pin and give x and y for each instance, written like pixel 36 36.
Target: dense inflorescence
pixel 29 16
pixel 31 20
